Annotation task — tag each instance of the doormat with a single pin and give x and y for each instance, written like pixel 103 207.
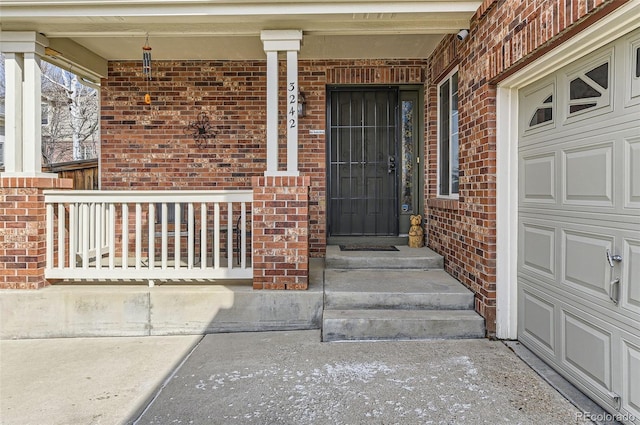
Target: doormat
pixel 368 248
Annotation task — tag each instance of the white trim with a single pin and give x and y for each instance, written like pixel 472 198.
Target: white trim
pixel 273 42
pixel 22 42
pixel 291 112
pixel 281 40
pixel 69 55
pixel 506 213
pixel 606 30
pixel 442 81
pixel 272 112
pixel 100 8
pixel 23 113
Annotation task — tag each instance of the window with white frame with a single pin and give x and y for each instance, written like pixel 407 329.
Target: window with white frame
pixel 448 136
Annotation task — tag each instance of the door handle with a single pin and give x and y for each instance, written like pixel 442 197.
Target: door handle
pixel 612 258
pixel 391 163
pixel 614 289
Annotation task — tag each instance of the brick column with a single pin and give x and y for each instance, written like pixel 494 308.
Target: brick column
pixel 281 232
pixel 23 230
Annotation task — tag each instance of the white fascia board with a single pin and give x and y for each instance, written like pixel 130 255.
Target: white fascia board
pixel 34 9
pixel 22 42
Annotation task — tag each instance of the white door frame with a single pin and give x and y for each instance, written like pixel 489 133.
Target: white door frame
pixel 606 30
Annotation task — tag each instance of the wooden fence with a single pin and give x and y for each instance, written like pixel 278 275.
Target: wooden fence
pixel 84 173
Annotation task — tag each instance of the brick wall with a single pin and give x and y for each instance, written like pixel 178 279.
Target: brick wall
pixel 504 36
pixel 145 146
pixel 23 230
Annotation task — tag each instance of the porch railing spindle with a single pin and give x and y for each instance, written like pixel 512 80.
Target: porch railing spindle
pixel 203 235
pixel 112 236
pixel 61 235
pixel 73 235
pixel 216 236
pixel 85 235
pixel 190 236
pixel 152 231
pixel 243 235
pixel 125 236
pixel 176 235
pixel 164 237
pixel 97 211
pixel 138 235
pixel 229 234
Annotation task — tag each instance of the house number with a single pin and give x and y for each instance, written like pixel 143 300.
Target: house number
pixel 293 107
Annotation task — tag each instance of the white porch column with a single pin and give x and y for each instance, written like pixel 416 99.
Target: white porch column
pixel 276 41
pixel 292 111
pixel 272 112
pixel 23 100
pixel 14 74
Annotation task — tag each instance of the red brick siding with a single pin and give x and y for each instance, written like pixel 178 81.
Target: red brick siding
pixel 503 36
pixel 23 230
pixel 281 232
pixel 145 146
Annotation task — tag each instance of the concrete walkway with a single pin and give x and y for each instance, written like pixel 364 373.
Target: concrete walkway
pixel 271 378
pixel 77 381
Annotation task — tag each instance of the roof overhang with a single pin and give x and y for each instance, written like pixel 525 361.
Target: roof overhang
pixel 230 29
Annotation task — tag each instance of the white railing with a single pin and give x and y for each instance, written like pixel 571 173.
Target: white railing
pixel 148 235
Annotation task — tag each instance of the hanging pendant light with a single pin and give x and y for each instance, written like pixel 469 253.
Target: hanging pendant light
pixel 146 68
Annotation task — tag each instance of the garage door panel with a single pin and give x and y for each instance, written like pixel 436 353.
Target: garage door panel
pixel 584 262
pixel 579 198
pixel 632 173
pixel 538 180
pixel 539 323
pixel 588 176
pixel 538 249
pixel 631 275
pixel 586 349
pixel 631 375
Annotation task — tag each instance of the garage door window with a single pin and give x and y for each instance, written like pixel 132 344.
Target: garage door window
pixel 589 89
pixel 544 113
pixel 448 135
pixel 635 65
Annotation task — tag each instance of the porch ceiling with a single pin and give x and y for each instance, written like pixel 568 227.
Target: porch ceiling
pixel 226 29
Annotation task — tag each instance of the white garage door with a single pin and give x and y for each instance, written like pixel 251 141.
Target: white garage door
pixel 579 224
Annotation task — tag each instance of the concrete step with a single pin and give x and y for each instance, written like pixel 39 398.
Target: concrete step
pixel 394 289
pixel 349 325
pixel 404 258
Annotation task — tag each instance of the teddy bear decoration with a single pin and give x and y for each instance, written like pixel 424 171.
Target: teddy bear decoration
pixel 416 233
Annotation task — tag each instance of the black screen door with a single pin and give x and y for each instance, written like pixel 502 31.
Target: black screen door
pixel 362 161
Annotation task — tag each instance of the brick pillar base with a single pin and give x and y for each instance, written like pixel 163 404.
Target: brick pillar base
pixel 281 232
pixel 23 230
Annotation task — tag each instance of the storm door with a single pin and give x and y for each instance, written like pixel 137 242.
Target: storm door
pixel 362 160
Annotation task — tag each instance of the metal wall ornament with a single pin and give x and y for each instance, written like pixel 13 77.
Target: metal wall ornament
pixel 201 130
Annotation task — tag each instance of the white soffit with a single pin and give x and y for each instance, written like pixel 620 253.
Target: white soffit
pixel 114 29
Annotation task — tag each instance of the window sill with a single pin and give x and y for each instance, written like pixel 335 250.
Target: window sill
pixel 444 203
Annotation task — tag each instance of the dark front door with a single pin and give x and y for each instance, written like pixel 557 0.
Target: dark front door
pixel 362 162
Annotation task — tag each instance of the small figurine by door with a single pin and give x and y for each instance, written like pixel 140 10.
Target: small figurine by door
pixel 416 233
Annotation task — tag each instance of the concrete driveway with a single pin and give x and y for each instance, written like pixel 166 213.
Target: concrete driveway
pixel 271 378
pixel 293 378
